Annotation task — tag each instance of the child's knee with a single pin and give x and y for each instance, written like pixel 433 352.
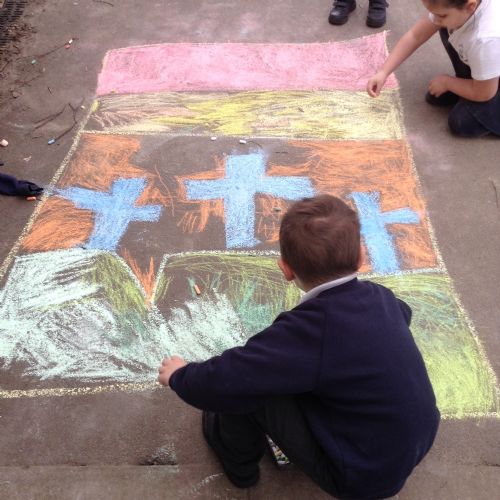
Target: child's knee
pixel 457 123
pixel 462 123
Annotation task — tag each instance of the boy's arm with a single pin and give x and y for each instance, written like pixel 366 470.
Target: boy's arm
pixel 473 90
pixel 282 359
pixel 484 58
pixel 408 43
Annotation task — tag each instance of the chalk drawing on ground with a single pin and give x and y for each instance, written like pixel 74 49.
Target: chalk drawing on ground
pixel 241 294
pixel 147 206
pixel 277 171
pixel 320 115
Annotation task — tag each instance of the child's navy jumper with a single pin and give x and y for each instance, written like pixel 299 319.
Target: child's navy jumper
pixel 350 358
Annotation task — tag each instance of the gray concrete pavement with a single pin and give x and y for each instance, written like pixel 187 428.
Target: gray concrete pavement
pixel 90 446
pixel 433 480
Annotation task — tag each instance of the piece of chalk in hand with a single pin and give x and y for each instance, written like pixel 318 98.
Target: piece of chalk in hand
pixel 197 289
pixel 242 141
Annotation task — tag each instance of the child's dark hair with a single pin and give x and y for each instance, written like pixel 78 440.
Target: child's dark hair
pixel 457 4
pixel 320 240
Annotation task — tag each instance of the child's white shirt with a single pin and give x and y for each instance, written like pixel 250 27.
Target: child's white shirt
pixel 477 42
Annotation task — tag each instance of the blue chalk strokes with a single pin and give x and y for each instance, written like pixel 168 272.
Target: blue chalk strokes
pixel 114 211
pixel 246 177
pixel 378 240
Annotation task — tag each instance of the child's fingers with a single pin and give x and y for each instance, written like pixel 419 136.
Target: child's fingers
pixel 164 365
pixel 373 90
pixel 373 87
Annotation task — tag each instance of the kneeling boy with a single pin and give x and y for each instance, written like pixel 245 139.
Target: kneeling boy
pixel 337 382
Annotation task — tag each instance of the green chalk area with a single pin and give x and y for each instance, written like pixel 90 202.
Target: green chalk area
pixel 85 317
pixel 253 284
pixel 464 383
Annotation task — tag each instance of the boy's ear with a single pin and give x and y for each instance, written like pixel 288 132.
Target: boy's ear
pixel 471 5
pixel 362 255
pixel 286 270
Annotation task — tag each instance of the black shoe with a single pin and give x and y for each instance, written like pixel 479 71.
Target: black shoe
pixel 211 434
pixel 376 13
pixel 340 11
pixel 444 100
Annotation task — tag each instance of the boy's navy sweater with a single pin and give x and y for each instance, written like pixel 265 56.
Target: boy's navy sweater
pixel 350 358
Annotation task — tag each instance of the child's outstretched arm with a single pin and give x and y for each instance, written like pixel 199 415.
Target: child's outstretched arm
pixel 407 44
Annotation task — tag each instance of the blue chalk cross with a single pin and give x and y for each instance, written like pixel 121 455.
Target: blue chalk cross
pixel 246 177
pixel 374 222
pixel 114 211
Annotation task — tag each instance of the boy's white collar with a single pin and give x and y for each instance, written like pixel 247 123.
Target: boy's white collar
pixel 314 292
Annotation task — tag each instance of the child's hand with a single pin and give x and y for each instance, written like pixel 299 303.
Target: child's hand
pixel 375 84
pixel 169 366
pixel 438 85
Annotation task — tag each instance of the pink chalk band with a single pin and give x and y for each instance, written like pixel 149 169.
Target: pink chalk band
pixel 243 66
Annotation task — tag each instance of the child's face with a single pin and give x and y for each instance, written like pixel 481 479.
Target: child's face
pixel 450 17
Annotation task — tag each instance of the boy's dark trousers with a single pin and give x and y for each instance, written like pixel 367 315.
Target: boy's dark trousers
pixel 468 118
pixel 240 442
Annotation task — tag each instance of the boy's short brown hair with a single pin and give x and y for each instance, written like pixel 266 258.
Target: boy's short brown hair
pixel 320 239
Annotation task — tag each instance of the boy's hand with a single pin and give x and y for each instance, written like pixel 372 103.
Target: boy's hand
pixel 438 85
pixel 169 366
pixel 375 84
